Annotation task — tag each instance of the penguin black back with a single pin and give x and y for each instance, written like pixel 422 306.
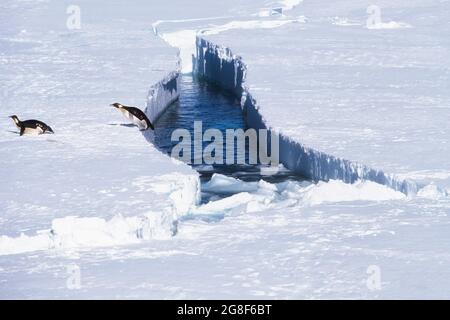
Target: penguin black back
pixel 140 115
pixel 135 115
pixel 31 126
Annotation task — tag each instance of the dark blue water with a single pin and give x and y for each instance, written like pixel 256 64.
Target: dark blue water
pixel 201 101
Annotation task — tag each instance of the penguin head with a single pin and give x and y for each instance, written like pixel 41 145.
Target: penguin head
pixel 116 105
pixel 15 119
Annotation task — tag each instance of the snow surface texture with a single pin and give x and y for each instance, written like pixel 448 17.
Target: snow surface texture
pixel 97 181
pixel 372 93
pixel 287 240
pixel 181 33
pixel 218 64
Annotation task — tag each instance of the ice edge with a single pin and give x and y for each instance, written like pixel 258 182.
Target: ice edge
pixel 163 93
pixel 85 232
pixel 217 64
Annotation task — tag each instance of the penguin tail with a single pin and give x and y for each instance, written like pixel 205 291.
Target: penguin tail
pixel 150 125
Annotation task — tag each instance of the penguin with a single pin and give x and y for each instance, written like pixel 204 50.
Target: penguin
pixel 32 127
pixel 135 115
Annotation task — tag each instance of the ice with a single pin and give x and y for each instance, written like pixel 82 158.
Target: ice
pixel 290 4
pixel 433 192
pixel 162 94
pixel 223 184
pixel 260 196
pixel 389 25
pixel 97 195
pixel 337 191
pixel 219 65
pixel 95 166
pixel 225 204
pixel 184 37
pixel 184 40
pixel 76 232
pixel 24 243
pixel 357 102
pixel 181 193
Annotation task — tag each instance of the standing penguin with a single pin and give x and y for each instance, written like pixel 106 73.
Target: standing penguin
pixel 135 115
pixel 32 127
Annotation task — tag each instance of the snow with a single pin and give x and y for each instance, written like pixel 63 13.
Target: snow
pixel 97 181
pixel 75 232
pixel 260 196
pixel 433 192
pixel 219 65
pixel 185 39
pixel 221 183
pixel 287 240
pixel 352 86
pixel 306 194
pixel 389 25
pixel 98 196
pixel 337 191
pixel 81 232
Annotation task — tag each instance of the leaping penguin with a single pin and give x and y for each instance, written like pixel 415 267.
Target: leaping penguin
pixel 32 127
pixel 135 115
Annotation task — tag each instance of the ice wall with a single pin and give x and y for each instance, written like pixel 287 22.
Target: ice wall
pixel 219 65
pixel 162 94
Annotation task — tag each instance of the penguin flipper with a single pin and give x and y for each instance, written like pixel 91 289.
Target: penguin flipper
pixel 22 131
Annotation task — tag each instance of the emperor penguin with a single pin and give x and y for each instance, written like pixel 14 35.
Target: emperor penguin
pixel 31 127
pixel 135 115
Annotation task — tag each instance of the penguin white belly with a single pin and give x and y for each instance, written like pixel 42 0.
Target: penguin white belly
pixel 126 114
pixel 140 123
pixel 33 131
